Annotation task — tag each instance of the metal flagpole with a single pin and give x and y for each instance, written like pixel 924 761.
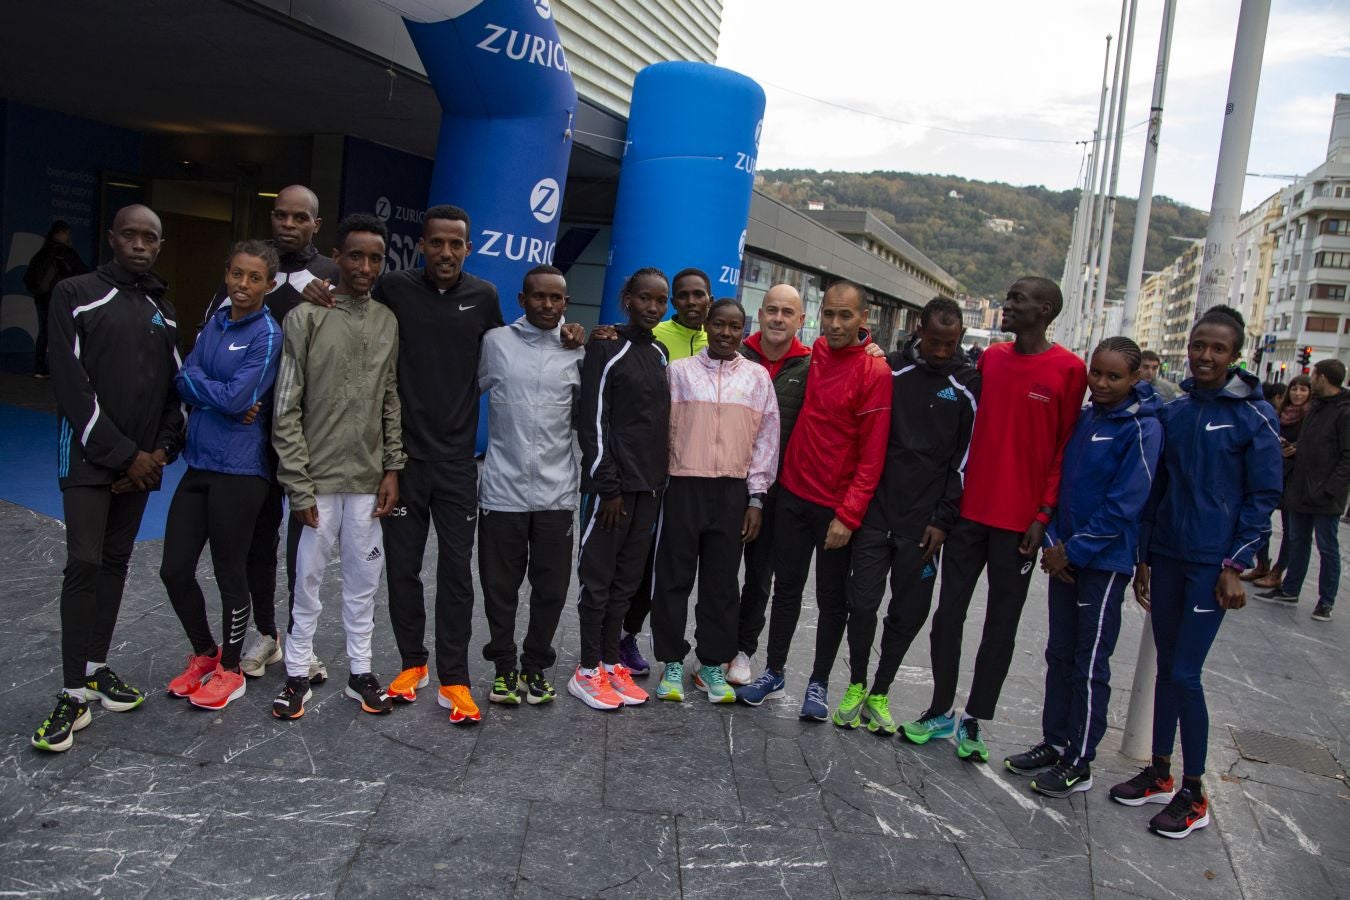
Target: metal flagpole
pixel 1092 271
pixel 1135 275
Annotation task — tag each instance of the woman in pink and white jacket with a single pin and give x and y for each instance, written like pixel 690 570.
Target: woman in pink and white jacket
pixel 723 456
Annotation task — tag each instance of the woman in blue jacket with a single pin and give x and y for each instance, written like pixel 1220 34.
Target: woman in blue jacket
pixel 227 381
pixel 1209 513
pixel 1092 547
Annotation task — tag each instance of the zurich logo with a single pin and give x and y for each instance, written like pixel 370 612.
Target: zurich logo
pixel 544 9
pixel 740 249
pixel 946 394
pixel 759 130
pixel 382 209
pixel 157 319
pixel 544 200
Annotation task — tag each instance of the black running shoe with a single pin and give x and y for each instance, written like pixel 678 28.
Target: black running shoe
pixel 1277 595
pixel 537 689
pixel 1146 787
pixel 114 693
pixel 1042 756
pixel 290 703
pixel 367 689
pixel 1188 811
pixel 1322 613
pixel 57 734
pixel 1064 779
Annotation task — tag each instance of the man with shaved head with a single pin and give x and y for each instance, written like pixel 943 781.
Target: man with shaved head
pixel 776 347
pixel 113 357
pixel 295 219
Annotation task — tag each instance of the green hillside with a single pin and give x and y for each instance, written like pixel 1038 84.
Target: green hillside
pixel 953 232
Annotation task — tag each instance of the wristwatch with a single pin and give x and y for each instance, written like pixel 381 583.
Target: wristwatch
pixel 757 501
pixel 1234 565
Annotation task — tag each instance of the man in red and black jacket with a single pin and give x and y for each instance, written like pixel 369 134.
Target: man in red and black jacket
pixel 829 473
pixel 1032 392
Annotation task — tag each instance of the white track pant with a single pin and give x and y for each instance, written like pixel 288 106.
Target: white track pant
pixel 346 520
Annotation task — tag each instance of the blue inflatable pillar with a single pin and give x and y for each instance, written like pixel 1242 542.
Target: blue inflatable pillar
pixel 687 176
pixel 508 102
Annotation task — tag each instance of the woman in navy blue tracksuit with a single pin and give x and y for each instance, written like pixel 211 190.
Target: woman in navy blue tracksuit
pixel 1209 513
pixel 1108 471
pixel 227 381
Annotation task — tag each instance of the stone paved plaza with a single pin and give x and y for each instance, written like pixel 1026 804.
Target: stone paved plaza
pixel 666 800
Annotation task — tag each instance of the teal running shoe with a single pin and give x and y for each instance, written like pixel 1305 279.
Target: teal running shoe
pixel 672 683
pixel 876 712
pixel 968 740
pixel 848 714
pixel 930 725
pixel 712 681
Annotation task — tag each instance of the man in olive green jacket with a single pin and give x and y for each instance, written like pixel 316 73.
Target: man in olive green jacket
pixel 339 445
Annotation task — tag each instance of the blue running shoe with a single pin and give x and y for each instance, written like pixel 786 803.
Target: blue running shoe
pixel 766 687
pixel 631 656
pixel 816 705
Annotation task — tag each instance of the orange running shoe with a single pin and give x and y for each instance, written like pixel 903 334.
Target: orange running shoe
pixel 191 678
pixel 594 690
pixel 404 687
pixel 622 681
pixel 457 699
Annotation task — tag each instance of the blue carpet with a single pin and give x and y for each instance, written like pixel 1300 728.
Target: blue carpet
pixel 28 460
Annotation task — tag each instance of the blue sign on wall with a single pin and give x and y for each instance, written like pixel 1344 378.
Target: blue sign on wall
pixel 393 185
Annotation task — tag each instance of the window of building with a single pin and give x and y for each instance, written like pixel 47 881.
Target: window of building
pixel 1327 291
pixel 1300 230
pixel 1298 261
pixel 1334 226
pixel 1298 199
pixel 1329 260
pixel 1322 324
pixel 1341 190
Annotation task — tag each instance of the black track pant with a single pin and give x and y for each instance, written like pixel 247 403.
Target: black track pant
pixel 758 580
pixel 609 567
pixel 262 560
pixel 641 603
pixel 969 548
pixel 222 510
pixel 879 556
pixel 510 546
pixel 799 533
pixel 100 531
pixel 444 492
pixel 698 535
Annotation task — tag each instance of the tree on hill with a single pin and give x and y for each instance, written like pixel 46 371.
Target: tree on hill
pixel 952 232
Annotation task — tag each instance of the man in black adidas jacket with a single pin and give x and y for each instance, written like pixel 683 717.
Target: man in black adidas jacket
pixel 918 501
pixel 295 219
pixel 113 357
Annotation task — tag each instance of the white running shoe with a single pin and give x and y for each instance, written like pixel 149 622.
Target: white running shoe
pixel 739 670
pixel 261 651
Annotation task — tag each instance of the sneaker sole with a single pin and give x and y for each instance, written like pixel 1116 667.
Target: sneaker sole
pixel 183 696
pixel 220 704
pixel 1028 772
pixel 672 696
pixel 1078 788
pixel 633 701
pixel 973 755
pixel 738 680
pixel 256 668
pixel 728 697
pixel 923 739
pixel 813 717
pixel 457 716
pixel 882 730
pixel 1283 601
pixel 1201 822
pixel 851 723
pixel 771 695
pixel 533 700
pixel 505 699
pixel 80 723
pixel 1163 797
pixel 112 705
pixel 355 695
pixel 590 701
pixel 1317 618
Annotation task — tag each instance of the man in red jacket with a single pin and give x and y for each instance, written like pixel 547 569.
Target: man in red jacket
pixel 1033 390
pixel 830 471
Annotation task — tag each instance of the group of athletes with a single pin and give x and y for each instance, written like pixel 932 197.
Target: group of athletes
pixel 351 397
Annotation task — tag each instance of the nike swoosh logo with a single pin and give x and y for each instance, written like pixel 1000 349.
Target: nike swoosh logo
pixel 1210 426
pixel 1084 604
pixel 233 347
pixel 469 518
pixel 462 307
pixel 1096 438
pixel 1199 610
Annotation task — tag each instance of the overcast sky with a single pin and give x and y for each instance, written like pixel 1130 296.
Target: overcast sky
pixel 1030 69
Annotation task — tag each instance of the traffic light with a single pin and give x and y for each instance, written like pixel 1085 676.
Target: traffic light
pixel 1305 358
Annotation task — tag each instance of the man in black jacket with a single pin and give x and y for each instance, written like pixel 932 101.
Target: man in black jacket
pixel 113 357
pixel 935 394
pixel 1317 489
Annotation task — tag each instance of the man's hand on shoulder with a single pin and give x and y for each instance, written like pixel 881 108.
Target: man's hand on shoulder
pixel 872 348
pixel 573 336
pixel 604 333
pixel 319 292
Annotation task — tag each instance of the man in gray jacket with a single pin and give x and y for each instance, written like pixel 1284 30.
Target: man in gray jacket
pixel 528 488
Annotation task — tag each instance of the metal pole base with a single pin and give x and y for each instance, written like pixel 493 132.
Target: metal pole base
pixel 1137 742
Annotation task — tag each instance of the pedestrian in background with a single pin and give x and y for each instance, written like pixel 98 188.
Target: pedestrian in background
pixel 53 263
